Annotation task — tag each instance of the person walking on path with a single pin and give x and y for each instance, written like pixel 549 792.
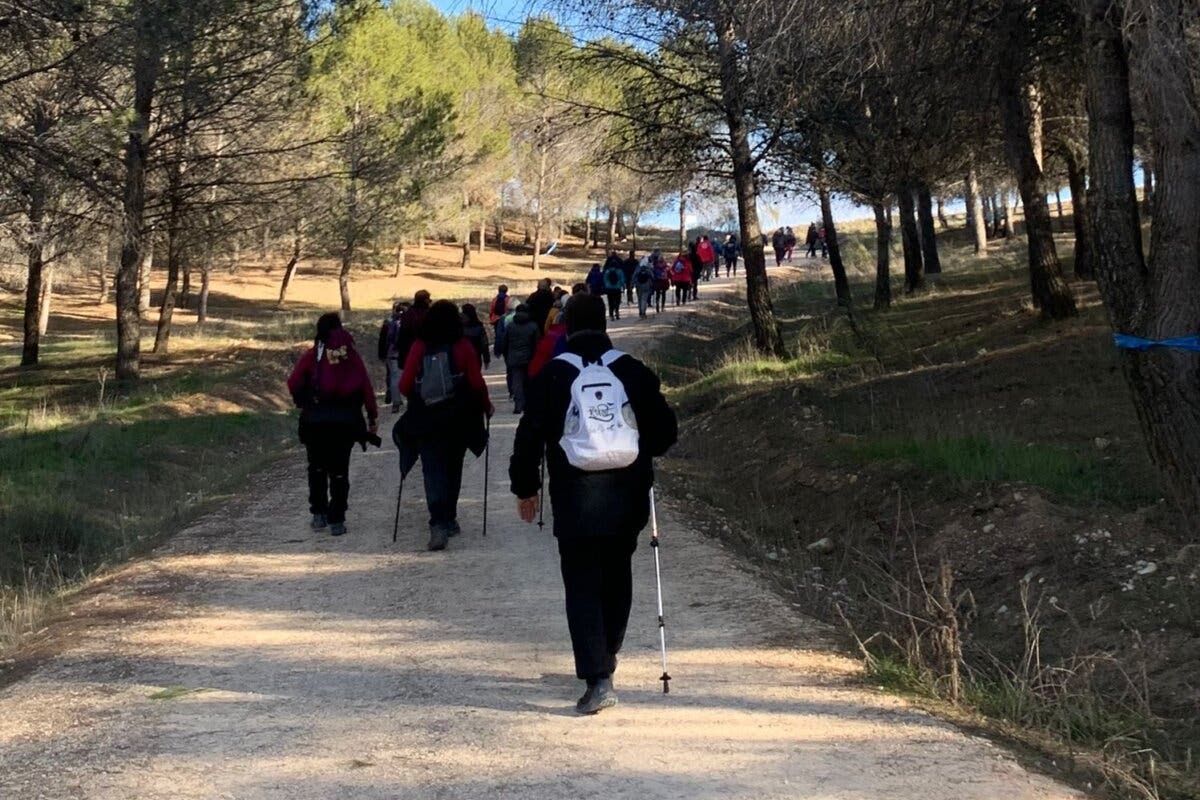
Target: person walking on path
pixel 538 304
pixel 789 243
pixel 662 280
pixel 697 268
pixel 643 284
pixel 476 334
pixel 500 305
pixel 595 280
pixel 598 512
pixel 520 342
pixel 811 240
pixel 821 240
pixel 708 258
pixel 778 244
pixel 681 278
pixel 331 387
pixel 731 250
pixel 388 333
pixel 448 400
pixel 614 288
pixel 628 267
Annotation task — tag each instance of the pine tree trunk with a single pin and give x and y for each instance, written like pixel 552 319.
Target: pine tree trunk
pixel 1050 291
pixel 596 229
pixel 401 257
pixel 1085 244
pixel 587 227
pixel 145 274
pixel 1158 297
pixel 929 248
pixel 466 255
pixel 941 213
pixel 482 236
pixel 883 256
pixel 767 336
pixel 841 282
pixel 166 313
pixel 145 79
pixel 293 264
pixel 610 235
pixel 538 218
pixel 975 212
pixel 202 304
pixel 914 266
pixel 45 300
pixel 36 216
pixel 1059 205
pixel 1148 187
pixel 683 242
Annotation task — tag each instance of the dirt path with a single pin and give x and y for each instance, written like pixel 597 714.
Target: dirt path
pixel 259 660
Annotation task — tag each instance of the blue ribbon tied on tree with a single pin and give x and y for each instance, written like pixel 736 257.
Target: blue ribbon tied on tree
pixel 1127 342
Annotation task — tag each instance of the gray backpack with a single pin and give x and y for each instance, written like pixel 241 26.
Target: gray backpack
pixel 438 382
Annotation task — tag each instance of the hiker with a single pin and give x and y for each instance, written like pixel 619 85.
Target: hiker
pixel 681 278
pixel 499 345
pixel 410 326
pixel 731 250
pixel 599 484
pixel 520 341
pixel 539 303
pixel 499 306
pixel 643 283
pixel 778 240
pixel 447 403
pixel 708 258
pixel 789 243
pixel 331 387
pixel 595 280
pixel 614 287
pixel 555 340
pixel 555 307
pixel 824 244
pixel 386 348
pixel 662 280
pixel 811 240
pixel 697 267
pixel 629 266
pixel 476 334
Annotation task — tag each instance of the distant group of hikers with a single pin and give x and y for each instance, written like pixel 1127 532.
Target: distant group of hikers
pixel 592 419
pixel 783 242
pixel 652 276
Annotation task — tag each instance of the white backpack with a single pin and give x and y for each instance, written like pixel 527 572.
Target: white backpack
pixel 600 431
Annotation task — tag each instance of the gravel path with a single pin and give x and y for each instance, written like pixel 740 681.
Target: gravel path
pixel 250 658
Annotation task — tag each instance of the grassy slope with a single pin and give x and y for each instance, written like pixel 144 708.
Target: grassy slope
pixel 956 425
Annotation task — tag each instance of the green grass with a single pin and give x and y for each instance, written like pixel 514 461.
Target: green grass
pixel 176 692
pixel 974 459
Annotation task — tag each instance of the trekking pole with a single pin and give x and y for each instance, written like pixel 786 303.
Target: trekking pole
pixel 662 628
pixel 542 500
pixel 487 451
pixel 396 524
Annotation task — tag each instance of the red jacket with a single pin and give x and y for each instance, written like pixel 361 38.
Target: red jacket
pixel 686 275
pixel 343 375
pixel 547 347
pixel 465 358
pixel 706 252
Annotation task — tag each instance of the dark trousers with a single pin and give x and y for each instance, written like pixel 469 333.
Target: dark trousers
pixel 682 292
pixel 730 266
pixel 518 381
pixel 442 466
pixel 598 578
pixel 660 299
pixel 614 303
pixel 328 471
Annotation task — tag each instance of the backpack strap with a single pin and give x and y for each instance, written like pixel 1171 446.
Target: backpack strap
pixel 612 355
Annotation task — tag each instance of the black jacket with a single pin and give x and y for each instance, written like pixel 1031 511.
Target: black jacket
pixel 538 304
pixel 588 504
pixel 520 340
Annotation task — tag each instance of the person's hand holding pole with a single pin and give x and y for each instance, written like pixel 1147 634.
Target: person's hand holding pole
pixel 527 508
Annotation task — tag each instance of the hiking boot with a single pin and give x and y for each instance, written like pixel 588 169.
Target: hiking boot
pixel 453 529
pixel 437 537
pixel 319 521
pixel 337 529
pixel 598 697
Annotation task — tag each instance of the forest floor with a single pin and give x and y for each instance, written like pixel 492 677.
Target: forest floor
pixel 250 658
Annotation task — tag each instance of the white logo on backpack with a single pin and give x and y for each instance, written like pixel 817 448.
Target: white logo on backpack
pixel 600 431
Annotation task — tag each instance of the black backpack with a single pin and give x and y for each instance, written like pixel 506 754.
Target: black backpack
pixel 438 383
